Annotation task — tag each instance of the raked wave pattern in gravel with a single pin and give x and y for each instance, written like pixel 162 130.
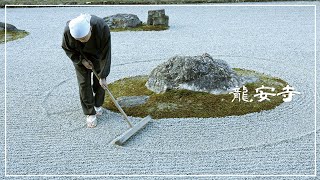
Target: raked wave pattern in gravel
pixel 45 132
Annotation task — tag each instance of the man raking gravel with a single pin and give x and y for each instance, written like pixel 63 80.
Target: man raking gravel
pixel 87 42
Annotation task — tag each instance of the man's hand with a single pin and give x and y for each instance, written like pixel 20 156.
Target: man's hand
pixel 87 63
pixel 103 82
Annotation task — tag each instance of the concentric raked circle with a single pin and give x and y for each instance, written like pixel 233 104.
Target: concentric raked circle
pixel 287 121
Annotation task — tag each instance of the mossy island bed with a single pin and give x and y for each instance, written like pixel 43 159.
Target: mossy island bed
pixel 12 33
pixel 142 27
pixel 186 103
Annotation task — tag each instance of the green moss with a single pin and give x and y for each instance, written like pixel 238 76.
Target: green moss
pixel 142 27
pixel 12 35
pixel 185 103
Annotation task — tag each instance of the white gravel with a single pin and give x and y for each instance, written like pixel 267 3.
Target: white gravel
pixel 45 132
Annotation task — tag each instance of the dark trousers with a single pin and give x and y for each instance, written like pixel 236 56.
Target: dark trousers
pixel 91 94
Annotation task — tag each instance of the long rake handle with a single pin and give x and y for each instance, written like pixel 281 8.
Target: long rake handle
pixel 114 101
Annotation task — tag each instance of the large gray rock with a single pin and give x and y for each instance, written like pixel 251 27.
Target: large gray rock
pixel 157 17
pixel 122 21
pixel 10 27
pixel 196 73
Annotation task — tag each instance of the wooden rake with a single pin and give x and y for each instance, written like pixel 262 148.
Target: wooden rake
pixel 133 129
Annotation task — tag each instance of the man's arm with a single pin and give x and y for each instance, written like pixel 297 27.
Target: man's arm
pixel 71 52
pixel 105 60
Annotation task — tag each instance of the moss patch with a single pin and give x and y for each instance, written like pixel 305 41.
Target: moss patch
pixel 12 35
pixel 185 103
pixel 143 27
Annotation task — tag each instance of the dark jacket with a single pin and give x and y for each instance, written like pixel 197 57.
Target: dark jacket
pixel 97 49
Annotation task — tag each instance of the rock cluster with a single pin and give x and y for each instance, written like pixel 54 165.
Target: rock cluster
pixel 196 73
pixel 155 18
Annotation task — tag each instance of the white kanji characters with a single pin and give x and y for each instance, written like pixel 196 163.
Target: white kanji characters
pixel 264 95
pixel 287 93
pixel 236 94
pixel 244 96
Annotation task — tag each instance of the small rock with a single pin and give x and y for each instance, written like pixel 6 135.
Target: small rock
pixel 122 21
pixel 158 17
pixel 10 27
pixel 131 101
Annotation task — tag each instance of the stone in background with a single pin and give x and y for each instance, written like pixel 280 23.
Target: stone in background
pixel 122 21
pixel 157 17
pixel 10 27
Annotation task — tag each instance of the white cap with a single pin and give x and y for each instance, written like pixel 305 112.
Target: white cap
pixel 80 26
